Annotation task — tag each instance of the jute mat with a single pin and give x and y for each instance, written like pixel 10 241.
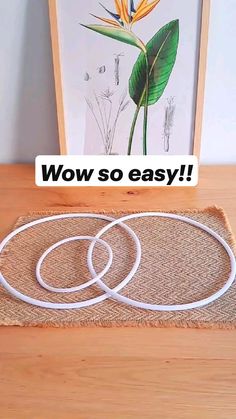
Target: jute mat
pixel 180 264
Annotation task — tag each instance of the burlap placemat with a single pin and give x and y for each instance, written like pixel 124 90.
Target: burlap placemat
pixel 180 264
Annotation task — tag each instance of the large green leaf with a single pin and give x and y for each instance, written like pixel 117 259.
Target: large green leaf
pixel 161 53
pixel 119 34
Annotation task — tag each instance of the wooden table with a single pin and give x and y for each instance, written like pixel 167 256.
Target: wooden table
pixel 116 373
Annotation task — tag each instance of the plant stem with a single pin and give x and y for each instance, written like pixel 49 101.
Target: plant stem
pixel 96 119
pixel 101 115
pixel 145 119
pixel 131 136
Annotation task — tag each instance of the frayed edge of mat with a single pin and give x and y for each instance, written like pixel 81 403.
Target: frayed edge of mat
pixel 126 324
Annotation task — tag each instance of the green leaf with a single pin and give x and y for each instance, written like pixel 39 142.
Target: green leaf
pixel 119 34
pixel 161 54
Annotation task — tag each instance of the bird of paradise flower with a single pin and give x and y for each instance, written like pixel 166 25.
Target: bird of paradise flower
pixel 152 70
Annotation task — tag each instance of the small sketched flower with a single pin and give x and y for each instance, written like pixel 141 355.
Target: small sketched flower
pixel 127 13
pixel 106 117
pixel 107 94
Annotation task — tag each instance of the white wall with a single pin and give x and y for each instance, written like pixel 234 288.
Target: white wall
pixel 27 99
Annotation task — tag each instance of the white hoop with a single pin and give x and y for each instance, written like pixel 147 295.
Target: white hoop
pixel 65 306
pixel 97 278
pixel 158 307
pixel 82 286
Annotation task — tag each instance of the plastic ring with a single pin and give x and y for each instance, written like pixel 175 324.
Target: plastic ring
pixel 65 306
pixel 157 307
pixel 80 287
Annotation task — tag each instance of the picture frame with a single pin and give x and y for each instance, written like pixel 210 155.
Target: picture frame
pixel 201 60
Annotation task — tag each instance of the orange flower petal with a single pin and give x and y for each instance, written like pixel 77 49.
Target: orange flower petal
pixel 141 4
pixel 118 8
pixel 103 19
pixel 124 11
pixel 144 11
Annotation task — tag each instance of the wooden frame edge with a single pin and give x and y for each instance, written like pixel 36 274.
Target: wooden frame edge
pixel 203 53
pixel 52 6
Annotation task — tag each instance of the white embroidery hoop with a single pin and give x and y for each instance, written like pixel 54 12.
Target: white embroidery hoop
pixel 159 307
pixel 76 305
pixel 113 293
pixel 85 284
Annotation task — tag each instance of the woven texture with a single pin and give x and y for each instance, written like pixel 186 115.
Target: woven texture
pixel 180 264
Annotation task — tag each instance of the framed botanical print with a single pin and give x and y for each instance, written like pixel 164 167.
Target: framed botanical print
pixel 129 75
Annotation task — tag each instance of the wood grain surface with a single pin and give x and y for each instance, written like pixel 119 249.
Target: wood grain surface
pixel 116 373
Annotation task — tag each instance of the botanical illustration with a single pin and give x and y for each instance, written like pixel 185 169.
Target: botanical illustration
pixel 101 110
pixel 148 77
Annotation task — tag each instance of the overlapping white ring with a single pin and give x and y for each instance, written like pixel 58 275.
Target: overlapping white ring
pixel 85 284
pixel 113 293
pixel 174 307
pixel 80 304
